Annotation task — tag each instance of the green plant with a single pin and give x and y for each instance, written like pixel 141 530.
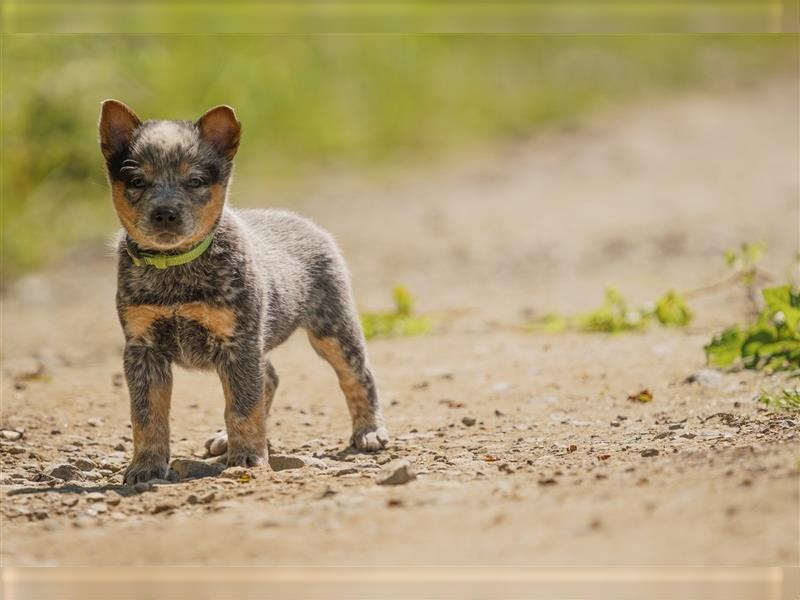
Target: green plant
pixel 786 399
pixel 745 260
pixel 616 315
pixel 400 321
pixel 772 343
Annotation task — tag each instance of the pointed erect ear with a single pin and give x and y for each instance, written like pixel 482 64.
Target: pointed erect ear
pixel 220 128
pixel 117 123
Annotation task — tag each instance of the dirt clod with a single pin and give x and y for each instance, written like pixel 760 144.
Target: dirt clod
pixel 397 472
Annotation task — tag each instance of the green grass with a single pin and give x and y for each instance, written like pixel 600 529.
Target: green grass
pixel 787 399
pixel 312 103
pixel 398 322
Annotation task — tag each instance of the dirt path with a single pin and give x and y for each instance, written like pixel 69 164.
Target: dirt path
pixel 559 467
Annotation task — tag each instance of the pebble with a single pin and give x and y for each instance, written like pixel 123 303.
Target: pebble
pixel 706 377
pixel 649 452
pixel 12 449
pixel 65 472
pixel 84 464
pixel 396 472
pixel 468 421
pixel 95 497
pixel 237 473
pixel 282 462
pixel 347 471
pixel 70 500
pixel 204 499
pixel 94 422
pixel 142 487
pixel 159 508
pixel 11 434
pixel 195 469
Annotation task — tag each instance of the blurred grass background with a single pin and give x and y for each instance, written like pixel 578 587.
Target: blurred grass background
pixel 310 104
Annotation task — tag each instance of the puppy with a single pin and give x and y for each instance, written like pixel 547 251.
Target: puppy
pixel 208 287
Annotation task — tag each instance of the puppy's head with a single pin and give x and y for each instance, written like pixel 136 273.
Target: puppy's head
pixel 168 178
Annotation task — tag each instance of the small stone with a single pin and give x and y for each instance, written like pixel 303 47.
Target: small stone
pixel 208 497
pixel 547 481
pixel 160 508
pixel 649 452
pixel 40 515
pixel 396 472
pixel 84 464
pixel 12 449
pixel 346 471
pixel 11 434
pixel 70 500
pixel 142 487
pixel 94 422
pixel 195 469
pixel 95 497
pixel 240 473
pixel 282 462
pixel 113 499
pixel 328 492
pixel 468 421
pixel 120 447
pixel 192 499
pixel 706 377
pixel 65 472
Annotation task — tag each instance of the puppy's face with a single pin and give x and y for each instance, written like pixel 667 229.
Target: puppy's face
pixel 168 178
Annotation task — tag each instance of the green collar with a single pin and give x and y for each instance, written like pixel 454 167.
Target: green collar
pixel 164 261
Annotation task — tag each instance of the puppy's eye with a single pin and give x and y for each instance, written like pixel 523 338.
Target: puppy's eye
pixel 137 182
pixel 195 182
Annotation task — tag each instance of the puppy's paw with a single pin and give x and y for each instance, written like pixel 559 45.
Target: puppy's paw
pixel 139 471
pixel 370 439
pixel 217 444
pixel 244 459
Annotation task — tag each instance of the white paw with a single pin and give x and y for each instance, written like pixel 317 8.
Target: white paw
pixel 370 439
pixel 217 444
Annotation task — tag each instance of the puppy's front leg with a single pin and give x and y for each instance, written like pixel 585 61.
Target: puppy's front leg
pixel 245 411
pixel 149 375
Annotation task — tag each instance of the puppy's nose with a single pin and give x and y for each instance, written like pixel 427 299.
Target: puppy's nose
pixel 164 215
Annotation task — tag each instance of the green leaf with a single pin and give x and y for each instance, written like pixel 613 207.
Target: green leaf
pixel 400 322
pixel 672 310
pixel 725 348
pixel 784 302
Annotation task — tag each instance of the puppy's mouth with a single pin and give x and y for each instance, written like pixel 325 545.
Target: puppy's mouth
pixel 167 240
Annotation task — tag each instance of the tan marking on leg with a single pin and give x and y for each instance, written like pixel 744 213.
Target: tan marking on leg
pixel 247 434
pixel 220 321
pixel 354 392
pixel 139 319
pixel 151 439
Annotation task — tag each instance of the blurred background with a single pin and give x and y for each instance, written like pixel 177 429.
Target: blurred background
pixel 319 107
pixel 498 178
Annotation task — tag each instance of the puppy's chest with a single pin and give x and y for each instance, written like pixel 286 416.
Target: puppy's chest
pixel 192 333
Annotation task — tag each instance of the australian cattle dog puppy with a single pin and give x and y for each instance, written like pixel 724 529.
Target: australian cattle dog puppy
pixel 209 287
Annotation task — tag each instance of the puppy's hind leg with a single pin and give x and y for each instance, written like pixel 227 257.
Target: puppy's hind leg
pixel 343 346
pixel 217 444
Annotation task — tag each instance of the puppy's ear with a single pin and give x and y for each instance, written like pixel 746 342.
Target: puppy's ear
pixel 117 124
pixel 220 128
